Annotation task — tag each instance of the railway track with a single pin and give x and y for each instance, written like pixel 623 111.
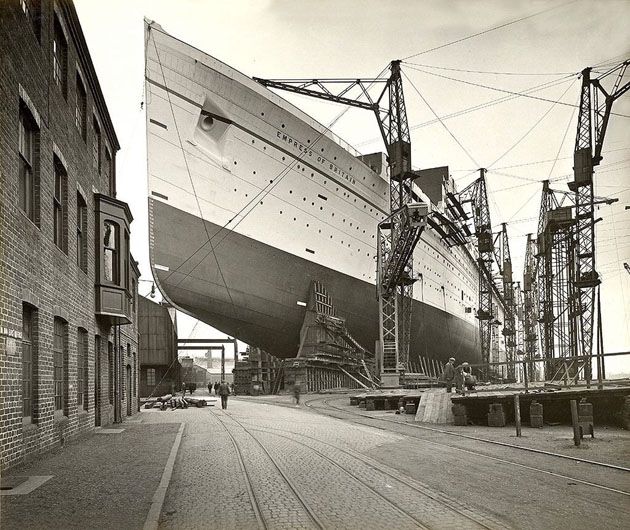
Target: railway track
pixel 341 413
pixel 262 522
pixel 446 505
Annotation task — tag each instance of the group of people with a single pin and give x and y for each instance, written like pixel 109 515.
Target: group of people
pixel 460 376
pixel 222 389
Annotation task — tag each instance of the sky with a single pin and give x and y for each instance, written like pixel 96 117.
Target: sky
pixel 521 140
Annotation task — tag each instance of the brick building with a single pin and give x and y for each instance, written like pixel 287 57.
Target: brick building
pixel 67 281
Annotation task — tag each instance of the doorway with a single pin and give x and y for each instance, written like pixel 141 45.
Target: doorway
pixel 97 382
pixel 129 395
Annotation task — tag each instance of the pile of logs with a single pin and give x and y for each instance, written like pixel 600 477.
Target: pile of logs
pixel 174 402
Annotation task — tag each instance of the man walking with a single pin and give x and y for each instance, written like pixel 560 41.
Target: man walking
pixel 224 392
pixel 449 374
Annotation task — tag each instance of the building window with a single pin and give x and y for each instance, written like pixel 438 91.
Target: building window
pixel 81 108
pixel 32 10
pixel 27 136
pixel 96 146
pixel 60 58
pixel 82 369
pixel 110 252
pixel 151 377
pixel 110 372
pixel 81 233
pixel 60 207
pixel 27 362
pixel 125 254
pixel 109 173
pixel 59 363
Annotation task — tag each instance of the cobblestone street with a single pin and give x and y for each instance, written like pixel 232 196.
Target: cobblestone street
pixel 297 469
pixel 265 463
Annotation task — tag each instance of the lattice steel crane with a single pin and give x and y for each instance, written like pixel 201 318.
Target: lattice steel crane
pixel 399 233
pixel 476 194
pixel 587 154
pixel 530 337
pixel 504 260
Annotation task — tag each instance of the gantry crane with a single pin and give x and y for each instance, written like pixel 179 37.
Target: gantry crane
pixel 476 194
pixel 399 233
pixel 504 260
pixel 530 337
pixel 595 106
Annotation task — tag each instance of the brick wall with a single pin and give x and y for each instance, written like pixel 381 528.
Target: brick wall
pixel 33 269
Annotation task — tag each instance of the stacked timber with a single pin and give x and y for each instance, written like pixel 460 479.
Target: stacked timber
pixel 174 402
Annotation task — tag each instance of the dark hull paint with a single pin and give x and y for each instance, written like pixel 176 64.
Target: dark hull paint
pixel 259 305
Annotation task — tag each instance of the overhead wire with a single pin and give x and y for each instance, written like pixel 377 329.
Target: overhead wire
pixel 440 120
pixel 488 30
pixel 545 114
pixel 487 72
pixel 503 90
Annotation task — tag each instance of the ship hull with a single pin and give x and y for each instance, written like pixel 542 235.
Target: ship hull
pixel 250 200
pixel 249 290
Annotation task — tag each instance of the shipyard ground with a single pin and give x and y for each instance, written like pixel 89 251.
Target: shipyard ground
pixel 265 463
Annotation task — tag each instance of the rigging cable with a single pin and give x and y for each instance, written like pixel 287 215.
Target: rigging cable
pixel 192 184
pixel 535 124
pixel 480 85
pixel 440 120
pixel 483 32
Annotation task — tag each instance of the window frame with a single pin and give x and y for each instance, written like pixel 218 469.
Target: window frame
pixel 60 206
pixel 80 111
pixel 82 369
pixel 81 239
pixel 60 57
pixel 151 377
pixel 26 155
pixel 60 365
pixel 114 251
pixel 96 145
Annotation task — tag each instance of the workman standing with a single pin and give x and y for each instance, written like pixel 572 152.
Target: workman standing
pixel 449 374
pixel 224 392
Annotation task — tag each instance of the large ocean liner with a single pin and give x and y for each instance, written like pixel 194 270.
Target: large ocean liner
pixel 250 200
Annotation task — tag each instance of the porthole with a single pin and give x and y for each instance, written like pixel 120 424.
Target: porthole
pixel 294 219
pixel 283 158
pixel 261 202
pixel 280 212
pixel 334 158
pixel 234 162
pixel 290 191
pixel 262 113
pixel 254 172
pixel 283 125
pixel 270 181
pixel 322 149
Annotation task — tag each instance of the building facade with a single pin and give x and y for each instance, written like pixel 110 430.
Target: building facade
pixel 159 367
pixel 67 280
